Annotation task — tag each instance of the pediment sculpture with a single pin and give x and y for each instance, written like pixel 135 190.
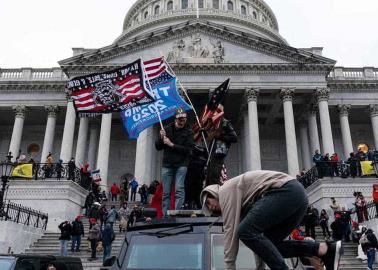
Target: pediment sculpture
pixel 198 50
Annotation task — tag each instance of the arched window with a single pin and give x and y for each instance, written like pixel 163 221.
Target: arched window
pixel 216 4
pixel 146 14
pixel 254 15
pixel 243 10
pixel 170 5
pixel 184 4
pixel 230 5
pixel 200 3
pixel 157 9
pixel 263 19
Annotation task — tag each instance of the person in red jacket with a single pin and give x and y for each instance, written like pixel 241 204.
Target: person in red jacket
pixel 375 198
pixel 334 165
pixel 114 190
pixel 299 234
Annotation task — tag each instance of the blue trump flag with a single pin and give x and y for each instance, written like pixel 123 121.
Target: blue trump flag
pixel 168 100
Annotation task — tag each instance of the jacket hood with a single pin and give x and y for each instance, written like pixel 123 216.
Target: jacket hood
pixel 214 191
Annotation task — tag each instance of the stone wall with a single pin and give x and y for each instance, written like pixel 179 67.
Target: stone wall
pixel 17 237
pixel 320 193
pixel 61 200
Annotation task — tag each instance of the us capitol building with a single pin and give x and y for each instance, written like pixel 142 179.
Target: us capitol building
pixel 284 102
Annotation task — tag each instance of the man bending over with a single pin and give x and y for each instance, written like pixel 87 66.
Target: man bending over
pixel 261 208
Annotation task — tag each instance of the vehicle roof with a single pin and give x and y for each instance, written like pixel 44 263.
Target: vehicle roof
pixel 178 221
pixel 40 256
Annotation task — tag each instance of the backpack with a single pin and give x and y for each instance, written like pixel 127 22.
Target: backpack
pixel 364 239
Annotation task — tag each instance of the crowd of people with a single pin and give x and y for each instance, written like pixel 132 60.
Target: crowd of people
pixel 101 232
pixel 332 166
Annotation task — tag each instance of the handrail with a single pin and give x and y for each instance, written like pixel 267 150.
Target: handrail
pixel 24 215
pixel 370 211
pixel 43 171
pixel 310 177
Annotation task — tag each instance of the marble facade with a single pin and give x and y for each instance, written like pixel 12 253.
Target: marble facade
pixel 284 102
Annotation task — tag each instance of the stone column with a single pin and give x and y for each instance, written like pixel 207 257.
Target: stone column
pixel 246 143
pixel 322 95
pixel 82 141
pixel 68 132
pixel 306 155
pixel 313 130
pixel 18 126
pixel 50 131
pixel 253 126
pixel 144 157
pixel 345 129
pixel 92 148
pixel 103 148
pixel 373 108
pixel 291 139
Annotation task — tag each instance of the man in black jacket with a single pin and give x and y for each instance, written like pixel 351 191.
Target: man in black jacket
pixel 77 232
pixel 177 141
pixel 222 138
pixel 65 236
pixel 369 244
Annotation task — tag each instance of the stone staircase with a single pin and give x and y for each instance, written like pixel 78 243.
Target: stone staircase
pixel 48 244
pixel 348 260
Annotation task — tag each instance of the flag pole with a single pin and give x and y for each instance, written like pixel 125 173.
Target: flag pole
pixel 190 102
pixel 197 9
pixel 149 85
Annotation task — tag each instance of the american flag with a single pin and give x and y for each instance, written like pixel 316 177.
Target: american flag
pixel 155 67
pixel 212 115
pixel 115 90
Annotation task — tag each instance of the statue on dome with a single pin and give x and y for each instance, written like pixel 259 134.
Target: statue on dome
pixel 175 55
pixel 218 52
pixel 196 50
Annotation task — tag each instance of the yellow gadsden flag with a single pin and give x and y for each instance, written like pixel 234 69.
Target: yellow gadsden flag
pixel 367 168
pixel 23 170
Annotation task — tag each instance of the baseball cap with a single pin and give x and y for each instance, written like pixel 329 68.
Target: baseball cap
pixel 180 112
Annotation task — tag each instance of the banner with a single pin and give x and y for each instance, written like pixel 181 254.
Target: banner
pixel 23 170
pixel 367 168
pixel 111 91
pixel 168 100
pixel 96 176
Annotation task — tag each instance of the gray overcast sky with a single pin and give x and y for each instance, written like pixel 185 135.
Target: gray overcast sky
pixel 41 32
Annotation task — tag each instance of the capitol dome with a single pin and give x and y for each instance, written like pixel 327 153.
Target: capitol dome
pixel 250 16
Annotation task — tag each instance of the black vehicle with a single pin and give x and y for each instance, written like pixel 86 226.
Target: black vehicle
pixel 38 262
pixel 179 243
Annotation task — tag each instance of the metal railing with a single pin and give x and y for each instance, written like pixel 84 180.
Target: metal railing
pixel 344 169
pixel 310 177
pixel 54 170
pixel 370 211
pixel 24 215
pixel 43 171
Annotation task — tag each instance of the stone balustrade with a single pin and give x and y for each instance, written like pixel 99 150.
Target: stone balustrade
pixel 268 25
pixel 32 74
pixel 364 73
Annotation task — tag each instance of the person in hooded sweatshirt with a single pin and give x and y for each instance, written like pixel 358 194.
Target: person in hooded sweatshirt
pixel 261 208
pixel 375 198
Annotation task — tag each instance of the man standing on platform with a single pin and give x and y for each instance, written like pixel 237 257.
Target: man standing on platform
pixel 176 140
pixel 221 138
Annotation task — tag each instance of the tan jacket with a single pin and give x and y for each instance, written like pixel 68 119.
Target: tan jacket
pixel 233 196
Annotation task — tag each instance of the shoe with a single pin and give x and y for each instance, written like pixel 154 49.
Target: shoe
pixel 332 258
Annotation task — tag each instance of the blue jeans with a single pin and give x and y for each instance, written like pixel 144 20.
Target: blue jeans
pixel 266 222
pixel 107 252
pixel 76 241
pixel 370 257
pixel 168 175
pixel 63 247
